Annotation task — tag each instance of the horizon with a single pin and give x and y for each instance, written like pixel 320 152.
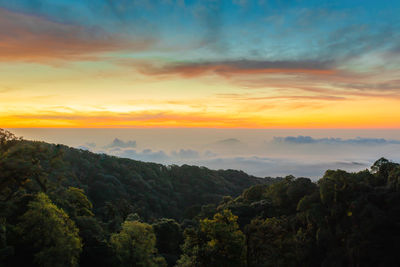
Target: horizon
pixel 260 152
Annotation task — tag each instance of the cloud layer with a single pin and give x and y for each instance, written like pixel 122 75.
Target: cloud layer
pixel 255 151
pixel 279 156
pixel 334 141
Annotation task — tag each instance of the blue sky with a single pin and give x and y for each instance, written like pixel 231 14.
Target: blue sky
pixel 251 64
pixel 273 30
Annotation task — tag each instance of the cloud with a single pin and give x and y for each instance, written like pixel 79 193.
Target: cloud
pixel 83 148
pixel 6 89
pixel 121 144
pixel 209 15
pixel 273 166
pixel 90 144
pixel 32 38
pixel 352 41
pixel 326 80
pixel 239 67
pixel 333 141
pixel 145 155
pixel 185 154
pixel 261 166
pixel 210 154
pixel 227 146
pixel 229 142
pixel 262 155
pixel 386 86
pixel 284 97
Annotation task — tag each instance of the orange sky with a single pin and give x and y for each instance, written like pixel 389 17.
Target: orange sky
pixel 60 73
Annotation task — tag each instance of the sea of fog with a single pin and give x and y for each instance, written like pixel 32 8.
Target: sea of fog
pixel 261 152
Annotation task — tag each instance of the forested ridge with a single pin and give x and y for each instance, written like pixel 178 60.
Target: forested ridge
pixel 61 206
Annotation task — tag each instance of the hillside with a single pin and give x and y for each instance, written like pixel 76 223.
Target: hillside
pixel 61 206
pixel 149 189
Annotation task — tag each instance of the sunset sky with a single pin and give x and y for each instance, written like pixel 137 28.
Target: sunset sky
pixel 180 63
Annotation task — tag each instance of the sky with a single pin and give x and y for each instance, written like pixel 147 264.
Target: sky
pixel 200 64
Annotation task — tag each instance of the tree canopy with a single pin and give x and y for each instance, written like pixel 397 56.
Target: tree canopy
pixel 61 206
pixel 50 233
pixel 135 245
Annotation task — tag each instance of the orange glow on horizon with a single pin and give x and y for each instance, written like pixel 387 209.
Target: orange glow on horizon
pixel 69 74
pixel 314 120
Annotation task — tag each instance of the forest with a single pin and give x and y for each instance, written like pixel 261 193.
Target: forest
pixel 61 206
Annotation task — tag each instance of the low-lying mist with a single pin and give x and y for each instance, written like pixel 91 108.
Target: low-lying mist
pixel 299 152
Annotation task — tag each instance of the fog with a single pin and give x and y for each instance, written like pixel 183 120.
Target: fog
pixel 261 152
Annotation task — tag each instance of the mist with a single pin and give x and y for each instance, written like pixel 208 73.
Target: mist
pixel 260 152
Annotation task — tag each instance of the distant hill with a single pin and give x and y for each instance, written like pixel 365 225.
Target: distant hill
pixel 149 189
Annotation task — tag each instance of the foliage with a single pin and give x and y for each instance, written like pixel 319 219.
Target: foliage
pixel 61 206
pixel 50 233
pixel 135 244
pixel 265 249
pixel 169 237
pixel 218 242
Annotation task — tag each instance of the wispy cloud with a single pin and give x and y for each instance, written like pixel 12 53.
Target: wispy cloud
pixel 238 67
pixel 6 89
pixel 32 38
pixel 322 80
pixel 244 97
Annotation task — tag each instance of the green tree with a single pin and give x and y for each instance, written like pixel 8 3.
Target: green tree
pixel 5 250
pixel 169 238
pixel 255 193
pixel 96 251
pixel 74 202
pixel 7 139
pixel 50 233
pixel 135 245
pixel 218 242
pixel 18 166
pixel 270 242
